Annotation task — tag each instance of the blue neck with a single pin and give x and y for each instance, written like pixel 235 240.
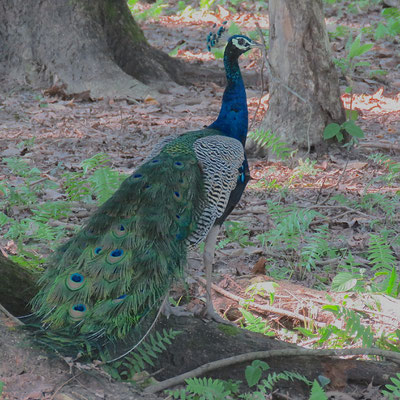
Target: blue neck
pixel 233 117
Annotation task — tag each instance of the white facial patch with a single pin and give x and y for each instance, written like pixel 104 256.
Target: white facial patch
pixel 241 43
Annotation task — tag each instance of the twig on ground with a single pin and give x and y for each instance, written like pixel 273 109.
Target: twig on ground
pixel 379 145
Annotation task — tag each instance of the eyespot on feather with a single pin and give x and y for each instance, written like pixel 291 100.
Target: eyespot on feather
pixel 115 256
pixel 77 312
pixel 75 281
pixel 179 165
pixel 177 196
pixel 97 251
pixel 120 231
pixel 136 177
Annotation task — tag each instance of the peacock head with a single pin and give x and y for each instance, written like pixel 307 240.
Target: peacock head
pixel 240 44
pixel 236 45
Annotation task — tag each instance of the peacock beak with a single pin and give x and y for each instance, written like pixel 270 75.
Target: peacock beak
pixel 256 45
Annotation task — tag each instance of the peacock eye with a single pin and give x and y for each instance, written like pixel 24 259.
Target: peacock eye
pixel 241 42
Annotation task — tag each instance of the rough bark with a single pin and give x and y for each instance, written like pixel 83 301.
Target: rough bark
pixel 300 58
pixel 86 45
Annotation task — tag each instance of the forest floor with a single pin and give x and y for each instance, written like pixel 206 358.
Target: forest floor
pixel 351 194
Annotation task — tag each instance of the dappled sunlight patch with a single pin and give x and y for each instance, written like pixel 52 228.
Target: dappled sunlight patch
pixel 376 102
pixel 199 17
pixel 357 177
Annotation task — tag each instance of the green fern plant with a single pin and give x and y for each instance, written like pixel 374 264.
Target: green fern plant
pixel 383 262
pixel 354 329
pixel 315 248
pixel 95 180
pixel 271 380
pixel 317 393
pixel 205 389
pixel 392 392
pixel 255 324
pixel 236 232
pixel 143 355
pixel 269 140
pixel 290 227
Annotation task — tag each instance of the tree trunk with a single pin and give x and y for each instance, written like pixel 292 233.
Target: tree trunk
pixel 86 45
pixel 300 58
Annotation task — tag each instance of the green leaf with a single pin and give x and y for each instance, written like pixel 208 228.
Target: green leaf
pixel 3 218
pixel 362 64
pixel 253 375
pixel 356 49
pixel 353 129
pixel 381 31
pixel 352 115
pixel 343 282
pixel 331 130
pixel 317 393
pixel 260 364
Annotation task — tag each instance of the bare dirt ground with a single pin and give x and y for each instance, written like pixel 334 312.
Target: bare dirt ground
pixel 66 132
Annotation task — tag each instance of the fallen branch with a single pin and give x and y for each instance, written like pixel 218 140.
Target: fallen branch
pixel 259 355
pixel 378 145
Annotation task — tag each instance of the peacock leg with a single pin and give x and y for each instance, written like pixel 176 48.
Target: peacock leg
pixel 208 260
pixel 178 311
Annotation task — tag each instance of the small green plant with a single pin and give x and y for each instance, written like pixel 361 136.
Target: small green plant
pixel 254 372
pixel 391 26
pixel 236 232
pixel 353 332
pixel 393 167
pixel 383 262
pixel 269 140
pixel 95 180
pixel 315 248
pixel 263 289
pixel 317 393
pixel 348 66
pixel 255 324
pixel 143 355
pixel 335 130
pixel 392 392
pixel 151 13
pixel 205 388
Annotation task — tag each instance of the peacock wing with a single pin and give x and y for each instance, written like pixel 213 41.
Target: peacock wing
pixel 220 158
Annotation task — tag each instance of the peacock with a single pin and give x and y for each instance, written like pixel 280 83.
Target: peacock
pixel 102 283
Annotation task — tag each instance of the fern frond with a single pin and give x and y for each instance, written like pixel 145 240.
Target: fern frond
pixel 143 355
pixel 207 388
pixel 380 253
pixel 269 140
